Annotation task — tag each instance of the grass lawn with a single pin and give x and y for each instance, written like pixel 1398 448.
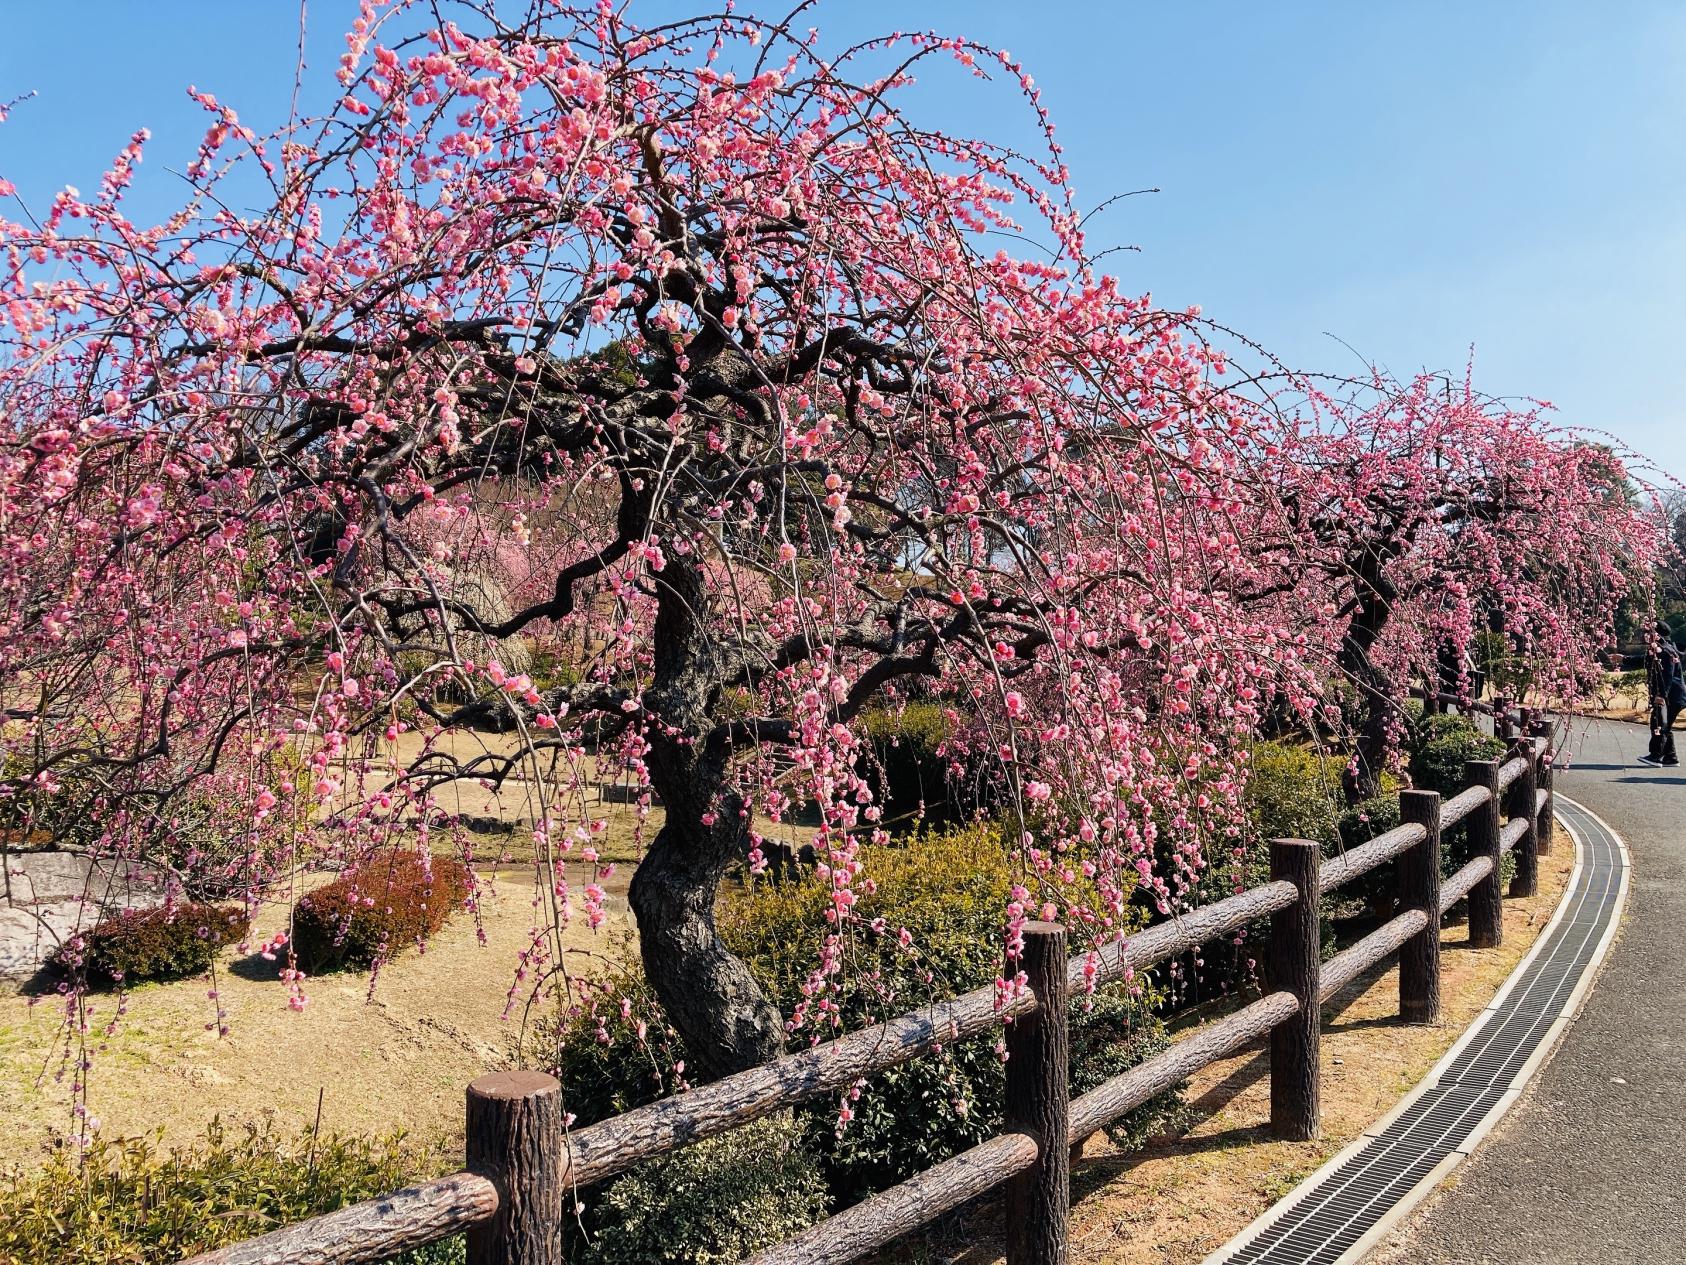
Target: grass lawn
pixel 397 1055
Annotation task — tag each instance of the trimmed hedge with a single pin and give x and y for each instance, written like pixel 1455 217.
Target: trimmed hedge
pixel 166 943
pixel 372 912
pixel 127 1202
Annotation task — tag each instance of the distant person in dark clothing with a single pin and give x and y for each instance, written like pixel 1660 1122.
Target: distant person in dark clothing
pixel 1668 695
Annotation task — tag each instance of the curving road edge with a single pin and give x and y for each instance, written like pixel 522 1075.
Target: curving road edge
pixel 1344 1210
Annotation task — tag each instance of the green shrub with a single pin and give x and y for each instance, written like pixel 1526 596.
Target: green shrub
pixel 1635 682
pixel 1507 672
pixel 128 1202
pixel 1368 818
pixel 32 819
pixel 718 1200
pixel 1377 890
pixel 906 770
pixel 1439 748
pixel 949 891
pixel 373 911
pixel 1438 756
pixel 550 667
pixel 715 1202
pixel 1293 793
pixel 153 944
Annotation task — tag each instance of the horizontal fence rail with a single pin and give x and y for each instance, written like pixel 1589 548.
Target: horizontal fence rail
pixel 522 1161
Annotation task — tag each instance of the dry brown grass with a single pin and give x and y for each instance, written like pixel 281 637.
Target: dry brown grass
pixel 394 1057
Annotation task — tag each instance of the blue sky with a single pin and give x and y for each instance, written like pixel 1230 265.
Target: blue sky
pixel 1412 179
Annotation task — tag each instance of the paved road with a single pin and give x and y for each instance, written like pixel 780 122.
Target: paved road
pixel 1590 1165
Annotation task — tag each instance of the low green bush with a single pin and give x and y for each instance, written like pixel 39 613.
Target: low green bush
pixel 372 912
pixel 1293 792
pixel 611 1046
pixel 716 1201
pixel 1441 748
pixel 1506 671
pixel 550 667
pixel 948 890
pixel 165 943
pixel 1635 682
pixel 1441 745
pixel 613 1052
pixel 32 819
pixel 905 769
pixel 129 1202
pixel 1371 817
pixel 713 1203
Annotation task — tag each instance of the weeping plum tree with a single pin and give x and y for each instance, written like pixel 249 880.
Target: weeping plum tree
pixel 1411 514
pixel 686 350
pixel 684 345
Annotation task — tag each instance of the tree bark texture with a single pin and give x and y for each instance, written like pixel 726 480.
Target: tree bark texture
pixel 1373 597
pixel 1038 1103
pixel 1295 948
pixel 515 1138
pixel 1521 805
pixel 1546 730
pixel 1419 888
pixel 711 999
pixel 375 1230
pixel 1486 909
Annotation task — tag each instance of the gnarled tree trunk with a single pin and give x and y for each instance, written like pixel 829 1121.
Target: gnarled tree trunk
pixel 1374 601
pixel 711 999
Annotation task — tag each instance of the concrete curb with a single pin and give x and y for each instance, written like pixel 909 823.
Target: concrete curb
pixel 1560 1021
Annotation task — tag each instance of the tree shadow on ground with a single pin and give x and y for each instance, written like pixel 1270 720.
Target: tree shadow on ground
pixel 44 979
pixel 256 968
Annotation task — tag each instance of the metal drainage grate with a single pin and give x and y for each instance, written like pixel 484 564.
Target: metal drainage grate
pixel 1352 1199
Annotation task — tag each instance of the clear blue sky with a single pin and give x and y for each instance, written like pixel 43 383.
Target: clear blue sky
pixel 1412 179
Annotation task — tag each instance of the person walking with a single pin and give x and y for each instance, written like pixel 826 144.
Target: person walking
pixel 1668 695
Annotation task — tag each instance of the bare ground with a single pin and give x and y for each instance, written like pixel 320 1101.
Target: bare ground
pixel 393 1056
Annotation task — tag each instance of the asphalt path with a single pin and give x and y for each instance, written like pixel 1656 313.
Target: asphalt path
pixel 1590 1165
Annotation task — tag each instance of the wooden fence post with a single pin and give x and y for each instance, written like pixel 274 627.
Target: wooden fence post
pixel 1503 726
pixel 1419 888
pixel 1519 802
pixel 1038 1103
pixel 515 1139
pixel 1547 831
pixel 1486 902
pixel 1295 960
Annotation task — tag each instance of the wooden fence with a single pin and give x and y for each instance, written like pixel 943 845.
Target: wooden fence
pixel 521 1162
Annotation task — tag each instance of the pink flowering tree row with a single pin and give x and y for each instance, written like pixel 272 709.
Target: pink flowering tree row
pixel 1407 518
pixel 688 347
